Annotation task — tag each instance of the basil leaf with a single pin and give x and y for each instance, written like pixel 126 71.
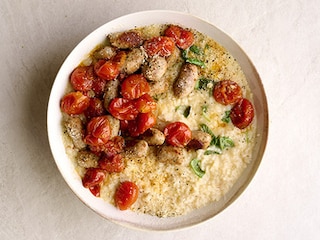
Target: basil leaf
pixel 204 84
pixel 195 62
pixel 195 49
pixel 192 60
pixel 226 117
pixel 221 142
pixel 206 129
pixel 195 165
pixel 225 142
pixel 184 110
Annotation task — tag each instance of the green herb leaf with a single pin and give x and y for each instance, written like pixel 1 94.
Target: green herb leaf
pixel 195 49
pixel 225 142
pixel 195 165
pixel 192 60
pixel 204 84
pixel 226 117
pixel 184 110
pixel 221 142
pixel 206 129
pixel 195 62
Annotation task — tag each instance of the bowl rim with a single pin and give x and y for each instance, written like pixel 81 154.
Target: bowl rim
pixel 78 54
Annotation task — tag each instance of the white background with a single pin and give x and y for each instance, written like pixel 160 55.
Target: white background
pixel 281 37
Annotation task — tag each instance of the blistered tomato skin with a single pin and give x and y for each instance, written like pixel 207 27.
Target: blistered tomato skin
pixel 142 123
pixel 93 177
pixel 242 113
pixel 134 86
pixel 74 103
pixel 182 37
pixel 177 134
pixel 126 195
pixel 112 163
pixel 227 92
pixel 98 131
pixel 95 108
pixel 145 103
pixel 162 46
pixel 107 70
pixel 82 78
pixel 123 109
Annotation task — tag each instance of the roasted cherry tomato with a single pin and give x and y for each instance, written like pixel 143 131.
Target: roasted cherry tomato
pixel 112 163
pixel 82 78
pixel 242 113
pixel 126 194
pixel 134 86
pixel 98 131
pixel 119 59
pixel 93 177
pixel 142 123
pixel 145 103
pixel 107 70
pixel 74 103
pixel 98 86
pixel 177 134
pixel 162 46
pixel 227 92
pixel 123 109
pixel 95 108
pixel 95 190
pixel 114 146
pixel 182 37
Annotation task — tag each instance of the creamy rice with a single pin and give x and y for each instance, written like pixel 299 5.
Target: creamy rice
pixel 167 190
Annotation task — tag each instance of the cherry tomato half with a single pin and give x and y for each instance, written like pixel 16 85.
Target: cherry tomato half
pixel 177 134
pixel 242 113
pixel 123 109
pixel 93 177
pixel 126 195
pixel 227 92
pixel 162 46
pixel 182 37
pixel 145 103
pixel 74 103
pixel 98 131
pixel 82 78
pixel 134 86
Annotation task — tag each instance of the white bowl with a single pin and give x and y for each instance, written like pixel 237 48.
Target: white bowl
pixel 66 167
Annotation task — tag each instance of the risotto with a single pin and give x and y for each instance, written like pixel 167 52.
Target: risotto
pixel 176 116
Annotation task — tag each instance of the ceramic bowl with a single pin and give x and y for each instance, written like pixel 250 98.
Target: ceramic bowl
pixel 65 165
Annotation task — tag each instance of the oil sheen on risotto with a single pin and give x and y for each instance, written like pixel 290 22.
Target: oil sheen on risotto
pixel 166 189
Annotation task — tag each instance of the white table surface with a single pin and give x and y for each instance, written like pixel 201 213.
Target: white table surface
pixel 281 37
